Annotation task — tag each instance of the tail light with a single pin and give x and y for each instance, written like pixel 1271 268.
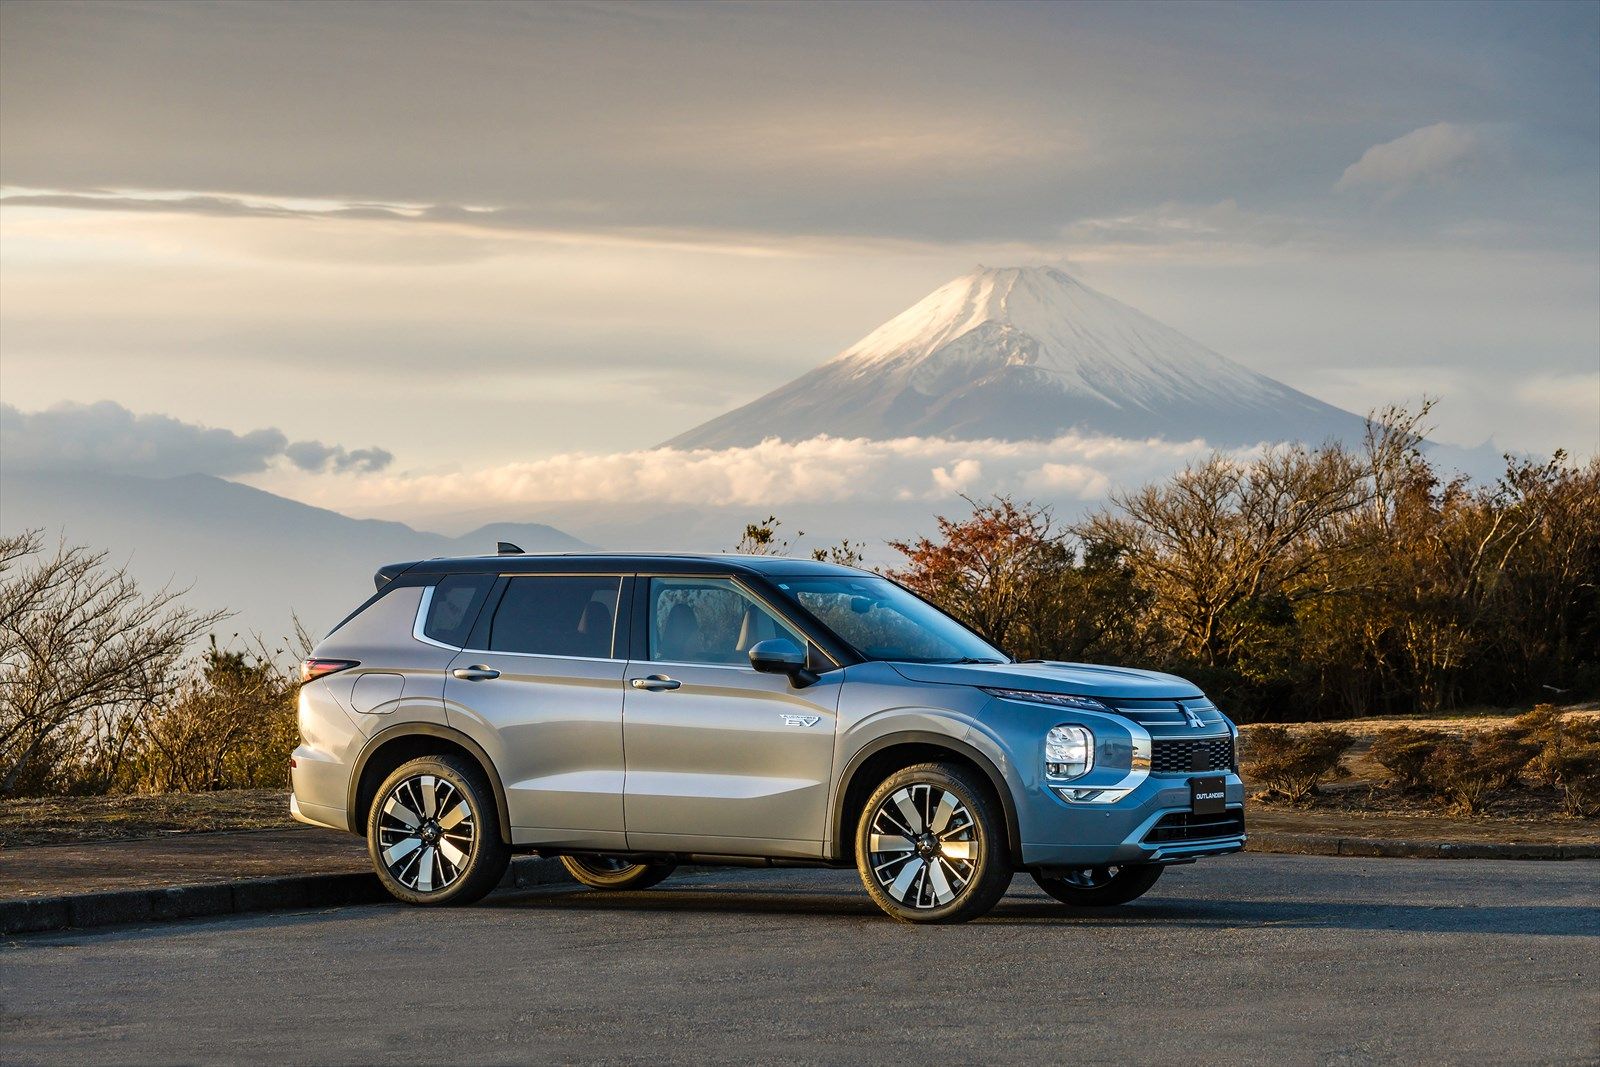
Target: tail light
pixel 312 669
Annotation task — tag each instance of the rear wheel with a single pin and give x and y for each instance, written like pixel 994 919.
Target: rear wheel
pixel 614 872
pixel 434 833
pixel 1100 887
pixel 931 845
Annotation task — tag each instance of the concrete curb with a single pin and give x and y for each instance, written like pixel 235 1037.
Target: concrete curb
pixel 1388 847
pixel 73 911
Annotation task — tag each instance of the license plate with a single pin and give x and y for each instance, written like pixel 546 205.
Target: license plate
pixel 1208 796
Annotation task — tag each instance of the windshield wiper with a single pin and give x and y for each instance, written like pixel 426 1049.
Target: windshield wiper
pixel 968 659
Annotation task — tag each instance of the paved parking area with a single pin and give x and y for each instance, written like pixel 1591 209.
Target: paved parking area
pixel 1253 959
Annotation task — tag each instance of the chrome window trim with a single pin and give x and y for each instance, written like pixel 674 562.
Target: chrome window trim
pixel 541 655
pixel 422 621
pixel 691 663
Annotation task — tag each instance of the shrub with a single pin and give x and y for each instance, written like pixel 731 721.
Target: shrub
pixel 1403 751
pixel 1292 764
pixel 1557 738
pixel 1577 774
pixel 230 727
pixel 1574 766
pixel 1470 772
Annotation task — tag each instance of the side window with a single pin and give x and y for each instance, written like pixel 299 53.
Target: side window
pixel 557 615
pixel 454 607
pixel 709 620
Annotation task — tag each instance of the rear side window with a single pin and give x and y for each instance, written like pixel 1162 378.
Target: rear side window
pixel 456 602
pixel 557 615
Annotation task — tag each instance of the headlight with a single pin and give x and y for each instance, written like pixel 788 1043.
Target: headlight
pixel 1068 752
pixel 1060 700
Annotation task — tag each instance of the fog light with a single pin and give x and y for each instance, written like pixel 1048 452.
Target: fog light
pixel 1068 752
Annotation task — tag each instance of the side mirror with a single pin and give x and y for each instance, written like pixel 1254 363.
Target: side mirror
pixel 779 655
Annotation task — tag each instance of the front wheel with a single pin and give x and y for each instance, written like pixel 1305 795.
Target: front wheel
pixel 931 845
pixel 614 872
pixel 434 833
pixel 1100 887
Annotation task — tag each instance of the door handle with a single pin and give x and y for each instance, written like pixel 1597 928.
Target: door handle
pixel 475 673
pixel 656 682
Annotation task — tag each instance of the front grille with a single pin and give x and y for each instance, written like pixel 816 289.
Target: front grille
pixel 1160 716
pixel 1191 755
pixel 1184 826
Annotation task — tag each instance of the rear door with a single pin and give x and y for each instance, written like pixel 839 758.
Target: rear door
pixel 542 692
pixel 720 758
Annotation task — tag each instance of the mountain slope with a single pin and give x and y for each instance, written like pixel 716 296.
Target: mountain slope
pixel 1027 353
pixel 259 555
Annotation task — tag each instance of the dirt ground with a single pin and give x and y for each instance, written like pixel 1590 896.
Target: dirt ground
pixel 1363 793
pixel 58 820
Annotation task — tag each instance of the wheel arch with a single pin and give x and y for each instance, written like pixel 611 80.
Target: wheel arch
pixel 881 757
pixel 397 744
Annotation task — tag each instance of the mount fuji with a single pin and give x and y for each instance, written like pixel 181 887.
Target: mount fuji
pixel 1028 353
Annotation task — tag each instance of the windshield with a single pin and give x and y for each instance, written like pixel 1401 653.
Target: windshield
pixel 880 620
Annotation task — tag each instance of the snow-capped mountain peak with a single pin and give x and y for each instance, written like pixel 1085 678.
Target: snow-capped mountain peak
pixel 1027 353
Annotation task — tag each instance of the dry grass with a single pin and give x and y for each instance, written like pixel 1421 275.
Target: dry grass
pixel 60 820
pixel 1365 789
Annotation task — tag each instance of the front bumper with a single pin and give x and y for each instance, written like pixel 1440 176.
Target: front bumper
pixel 1152 824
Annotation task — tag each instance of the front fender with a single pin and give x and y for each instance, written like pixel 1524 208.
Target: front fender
pixel 875 718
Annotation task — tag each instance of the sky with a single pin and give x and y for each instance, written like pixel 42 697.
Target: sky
pixel 358 252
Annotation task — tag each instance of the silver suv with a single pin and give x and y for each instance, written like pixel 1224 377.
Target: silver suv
pixel 629 713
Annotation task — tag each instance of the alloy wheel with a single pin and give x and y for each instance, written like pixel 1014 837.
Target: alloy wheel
pixel 923 846
pixel 1090 877
pixel 425 833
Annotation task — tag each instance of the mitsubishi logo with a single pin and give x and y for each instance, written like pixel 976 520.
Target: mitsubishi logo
pixel 1194 719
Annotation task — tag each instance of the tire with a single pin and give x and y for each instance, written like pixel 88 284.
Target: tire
pixel 418 858
pixel 1101 887
pixel 931 845
pixel 613 872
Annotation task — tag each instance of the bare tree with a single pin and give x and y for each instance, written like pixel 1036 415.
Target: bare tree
pixel 83 653
pixel 1221 534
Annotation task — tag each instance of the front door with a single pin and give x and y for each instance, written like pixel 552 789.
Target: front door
pixel 544 697
pixel 722 759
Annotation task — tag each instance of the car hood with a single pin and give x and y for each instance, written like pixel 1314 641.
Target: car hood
pixel 1074 679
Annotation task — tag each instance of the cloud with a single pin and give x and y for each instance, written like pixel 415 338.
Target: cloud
pixel 819 470
pixel 314 456
pixel 108 437
pixel 951 123
pixel 1205 230
pixel 1428 155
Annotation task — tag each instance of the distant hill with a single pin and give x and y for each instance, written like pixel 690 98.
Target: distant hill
pixel 1028 353
pixel 259 555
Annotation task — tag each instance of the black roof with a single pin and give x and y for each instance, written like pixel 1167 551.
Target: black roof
pixel 620 563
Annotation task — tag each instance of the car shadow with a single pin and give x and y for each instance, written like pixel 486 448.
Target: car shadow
pixel 1026 906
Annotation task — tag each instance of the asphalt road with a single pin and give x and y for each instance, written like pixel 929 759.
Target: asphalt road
pixel 1252 959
